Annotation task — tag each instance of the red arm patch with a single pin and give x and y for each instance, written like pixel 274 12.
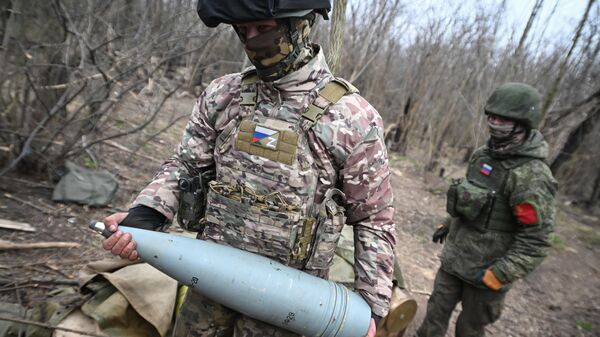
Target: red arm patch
pixel 526 214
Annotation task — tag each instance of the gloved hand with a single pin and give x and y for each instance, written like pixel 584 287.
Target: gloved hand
pixel 440 233
pixel 487 278
pixel 144 217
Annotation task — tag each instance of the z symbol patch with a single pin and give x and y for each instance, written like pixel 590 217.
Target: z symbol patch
pixel 266 138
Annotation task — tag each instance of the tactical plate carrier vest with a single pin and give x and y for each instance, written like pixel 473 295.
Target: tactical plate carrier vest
pixel 262 199
pixel 480 200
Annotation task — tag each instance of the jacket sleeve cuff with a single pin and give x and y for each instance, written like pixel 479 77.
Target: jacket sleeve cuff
pixel 377 308
pixel 499 273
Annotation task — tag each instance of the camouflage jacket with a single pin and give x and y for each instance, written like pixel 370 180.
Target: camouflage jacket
pixel 348 147
pixel 514 243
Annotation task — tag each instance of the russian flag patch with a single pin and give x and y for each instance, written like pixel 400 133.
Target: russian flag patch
pixel 265 137
pixel 486 169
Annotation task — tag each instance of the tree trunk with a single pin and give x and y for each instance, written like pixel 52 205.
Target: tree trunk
pixel 595 192
pixel 515 59
pixel 12 28
pixel 576 137
pixel 563 67
pixel 564 128
pixel 336 37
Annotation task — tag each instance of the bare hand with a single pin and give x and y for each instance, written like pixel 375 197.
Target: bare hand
pixel 372 329
pixel 119 243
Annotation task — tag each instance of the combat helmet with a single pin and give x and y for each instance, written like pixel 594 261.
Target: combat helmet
pixel 214 12
pixel 516 101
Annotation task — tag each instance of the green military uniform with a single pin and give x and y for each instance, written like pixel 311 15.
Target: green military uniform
pixel 502 214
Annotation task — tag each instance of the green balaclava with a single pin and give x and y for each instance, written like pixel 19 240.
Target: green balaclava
pixel 281 49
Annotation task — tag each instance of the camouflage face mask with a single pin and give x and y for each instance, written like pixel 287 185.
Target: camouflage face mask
pixel 505 136
pixel 269 48
pixel 501 130
pixel 280 50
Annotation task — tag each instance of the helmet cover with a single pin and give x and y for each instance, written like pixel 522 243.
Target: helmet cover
pixel 516 101
pixel 214 12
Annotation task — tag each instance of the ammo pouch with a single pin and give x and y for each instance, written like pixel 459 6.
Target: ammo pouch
pixel 260 223
pixel 330 221
pixel 192 200
pixel 470 202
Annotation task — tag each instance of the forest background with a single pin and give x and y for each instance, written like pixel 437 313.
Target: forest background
pixel 110 85
pixel 66 68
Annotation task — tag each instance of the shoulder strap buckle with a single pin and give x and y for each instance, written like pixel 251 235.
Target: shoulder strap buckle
pixel 330 94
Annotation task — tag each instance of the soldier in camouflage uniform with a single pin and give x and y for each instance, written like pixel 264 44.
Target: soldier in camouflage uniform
pixel 297 154
pixel 502 215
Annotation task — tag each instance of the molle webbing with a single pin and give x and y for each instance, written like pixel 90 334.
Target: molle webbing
pixel 501 218
pixel 248 92
pixel 329 207
pixel 243 193
pixel 286 149
pixel 300 252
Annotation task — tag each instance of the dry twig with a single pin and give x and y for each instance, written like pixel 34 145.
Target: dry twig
pixel 18 226
pixel 28 182
pixel 41 209
pixel 123 148
pixel 7 245
pixel 49 326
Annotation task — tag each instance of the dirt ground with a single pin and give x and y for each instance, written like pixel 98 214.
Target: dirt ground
pixel 561 298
